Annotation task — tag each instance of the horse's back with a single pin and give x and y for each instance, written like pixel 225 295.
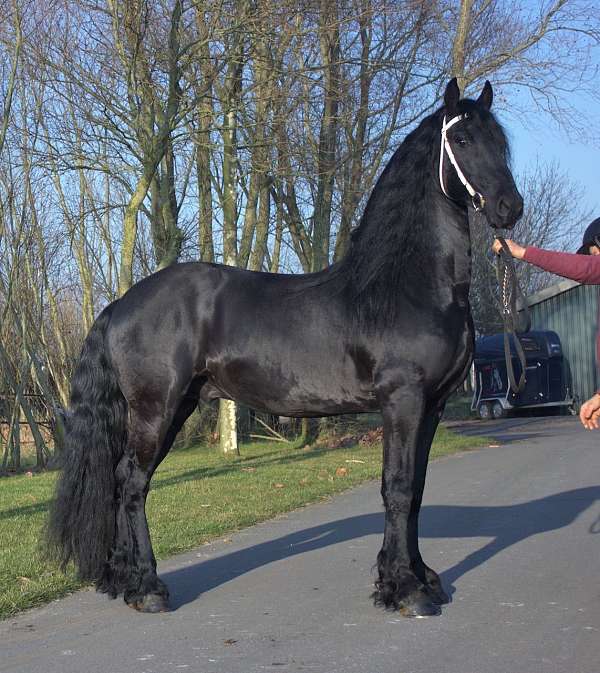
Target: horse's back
pixel 254 336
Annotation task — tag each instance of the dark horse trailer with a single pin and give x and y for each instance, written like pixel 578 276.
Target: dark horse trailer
pixel 546 371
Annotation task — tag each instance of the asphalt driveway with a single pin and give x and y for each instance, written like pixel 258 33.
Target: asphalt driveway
pixel 514 529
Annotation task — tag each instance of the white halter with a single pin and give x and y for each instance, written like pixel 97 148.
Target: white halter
pixel 476 197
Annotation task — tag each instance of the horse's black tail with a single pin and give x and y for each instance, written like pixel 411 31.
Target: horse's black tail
pixel 82 518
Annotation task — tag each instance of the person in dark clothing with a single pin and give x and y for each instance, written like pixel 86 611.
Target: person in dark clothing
pixel 584 267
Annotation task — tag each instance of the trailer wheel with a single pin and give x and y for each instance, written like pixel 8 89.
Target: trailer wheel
pixel 498 411
pixel 484 410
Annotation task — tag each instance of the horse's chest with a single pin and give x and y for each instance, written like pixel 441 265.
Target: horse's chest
pixel 459 349
pixel 448 349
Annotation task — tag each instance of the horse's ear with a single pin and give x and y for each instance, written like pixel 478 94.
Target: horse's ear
pixel 451 97
pixel 486 96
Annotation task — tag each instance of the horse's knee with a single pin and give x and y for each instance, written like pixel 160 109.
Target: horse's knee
pixel 397 506
pixel 397 495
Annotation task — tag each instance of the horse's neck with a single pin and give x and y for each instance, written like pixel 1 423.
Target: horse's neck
pixel 452 242
pixel 442 254
pixel 412 245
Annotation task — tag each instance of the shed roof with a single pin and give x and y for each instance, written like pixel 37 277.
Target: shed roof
pixel 551 291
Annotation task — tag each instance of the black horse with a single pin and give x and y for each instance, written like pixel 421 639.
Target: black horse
pixel 388 328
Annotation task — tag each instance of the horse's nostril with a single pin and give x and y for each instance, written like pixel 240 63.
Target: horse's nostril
pixel 503 207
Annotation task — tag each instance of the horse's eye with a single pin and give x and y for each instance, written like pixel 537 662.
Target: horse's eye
pixel 460 140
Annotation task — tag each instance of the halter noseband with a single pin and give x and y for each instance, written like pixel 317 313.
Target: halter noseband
pixel 476 197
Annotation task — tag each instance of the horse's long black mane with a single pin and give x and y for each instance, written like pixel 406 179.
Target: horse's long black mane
pixel 388 247
pixel 392 238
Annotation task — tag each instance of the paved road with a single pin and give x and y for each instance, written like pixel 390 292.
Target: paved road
pixel 515 531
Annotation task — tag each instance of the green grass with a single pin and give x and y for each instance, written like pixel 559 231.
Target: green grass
pixel 458 408
pixel 197 495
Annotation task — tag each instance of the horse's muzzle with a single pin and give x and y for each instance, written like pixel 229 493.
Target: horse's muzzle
pixel 507 211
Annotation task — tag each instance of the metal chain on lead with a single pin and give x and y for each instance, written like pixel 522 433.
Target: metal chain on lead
pixel 510 292
pixel 505 293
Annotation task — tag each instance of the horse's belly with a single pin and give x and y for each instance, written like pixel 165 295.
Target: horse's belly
pixel 315 389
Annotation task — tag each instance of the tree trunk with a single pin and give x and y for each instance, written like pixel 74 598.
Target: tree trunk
pixel 205 213
pixel 352 186
pixel 166 234
pixel 459 46
pixel 330 55
pixel 203 143
pixel 275 259
pixel 14 438
pixel 259 250
pixel 249 227
pixel 230 96
pixel 85 273
pixel 228 440
pixel 22 404
pixel 130 230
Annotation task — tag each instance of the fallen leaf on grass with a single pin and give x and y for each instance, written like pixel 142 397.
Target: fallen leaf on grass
pixel 341 472
pixel 355 460
pixel 371 437
pixel 343 442
pixel 248 469
pixel 278 485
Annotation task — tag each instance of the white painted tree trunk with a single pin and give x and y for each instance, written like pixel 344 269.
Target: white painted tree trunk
pixel 228 427
pixel 231 103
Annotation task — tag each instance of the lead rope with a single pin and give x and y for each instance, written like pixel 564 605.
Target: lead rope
pixel 510 291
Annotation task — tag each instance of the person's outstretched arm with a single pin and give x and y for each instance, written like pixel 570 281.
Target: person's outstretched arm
pixel 584 269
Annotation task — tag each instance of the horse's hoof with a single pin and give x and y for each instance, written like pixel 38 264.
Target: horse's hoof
pixel 151 603
pixel 419 606
pixel 415 602
pixel 437 595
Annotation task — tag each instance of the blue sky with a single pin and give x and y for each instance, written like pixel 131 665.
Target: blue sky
pixel 537 136
pixel 579 160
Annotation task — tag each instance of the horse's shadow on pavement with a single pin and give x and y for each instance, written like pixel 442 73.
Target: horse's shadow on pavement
pixel 506 525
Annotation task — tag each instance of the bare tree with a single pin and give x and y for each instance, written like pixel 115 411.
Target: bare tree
pixel 135 133
pixel 537 54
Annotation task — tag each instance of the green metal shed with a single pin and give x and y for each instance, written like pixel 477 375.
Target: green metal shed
pixel 571 310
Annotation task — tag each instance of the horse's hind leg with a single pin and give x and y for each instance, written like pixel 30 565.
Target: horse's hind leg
pixel 132 566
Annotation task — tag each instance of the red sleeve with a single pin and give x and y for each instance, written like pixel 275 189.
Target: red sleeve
pixel 584 269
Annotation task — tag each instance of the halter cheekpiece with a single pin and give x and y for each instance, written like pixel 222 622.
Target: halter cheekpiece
pixel 477 198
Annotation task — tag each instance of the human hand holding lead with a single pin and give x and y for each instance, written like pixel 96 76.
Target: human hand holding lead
pixel 516 250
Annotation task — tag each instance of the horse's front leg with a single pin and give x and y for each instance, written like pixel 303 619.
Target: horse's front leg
pixel 428 576
pixel 398 587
